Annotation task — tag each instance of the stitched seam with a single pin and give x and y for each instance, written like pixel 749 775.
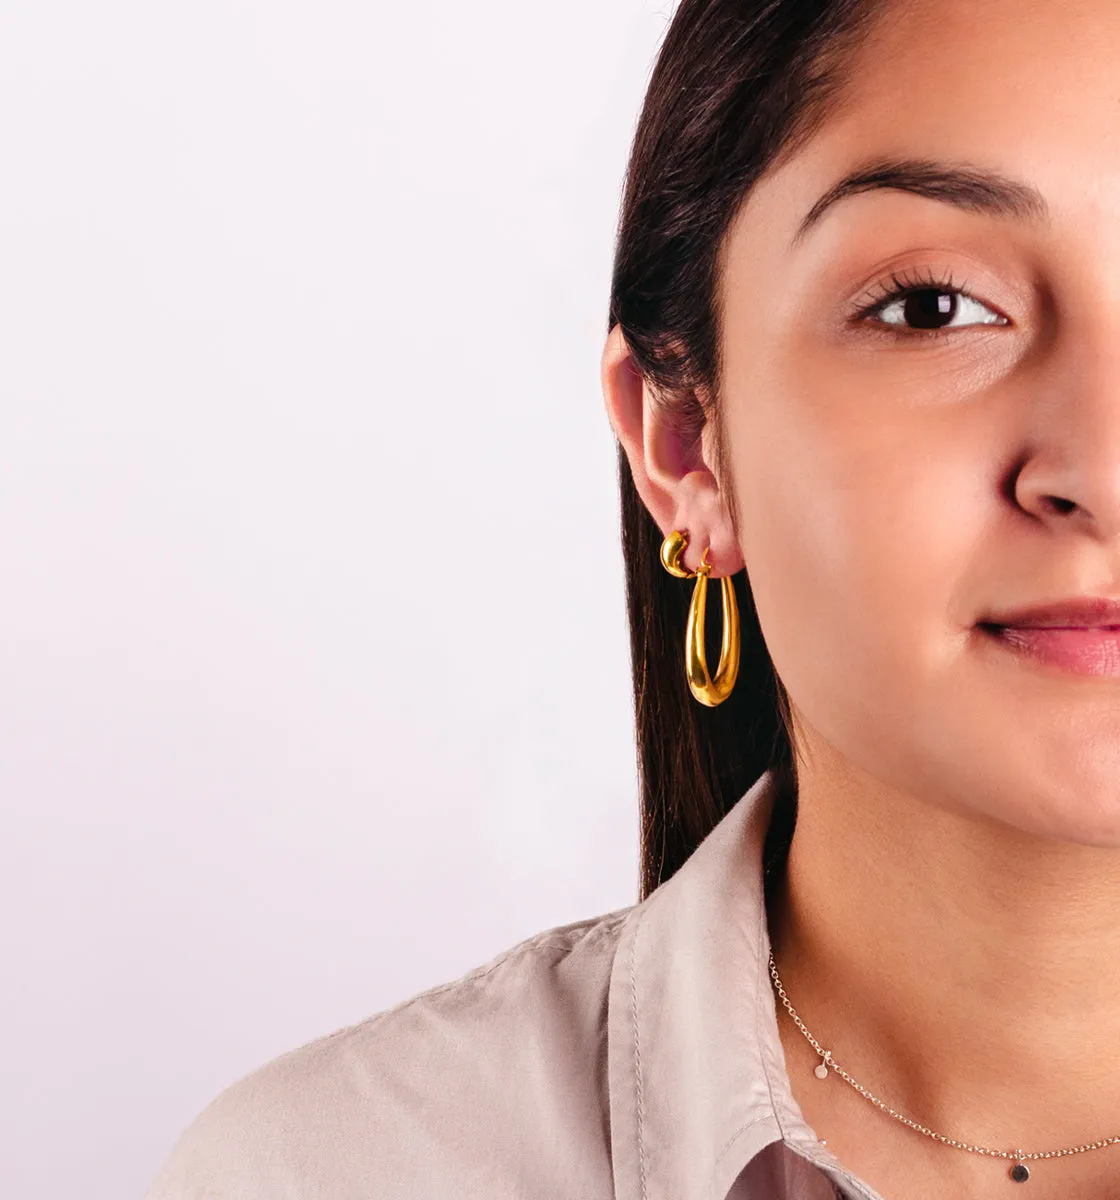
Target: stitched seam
pixel 586 933
pixel 760 983
pixel 727 1145
pixel 637 1059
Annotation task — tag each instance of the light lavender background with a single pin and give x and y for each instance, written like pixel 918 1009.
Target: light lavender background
pixel 312 621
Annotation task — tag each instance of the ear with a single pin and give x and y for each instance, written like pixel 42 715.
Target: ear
pixel 672 478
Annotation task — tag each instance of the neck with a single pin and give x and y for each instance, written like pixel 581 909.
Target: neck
pixel 966 969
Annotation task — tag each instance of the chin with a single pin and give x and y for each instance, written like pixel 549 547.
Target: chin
pixel 1083 817
pixel 1038 758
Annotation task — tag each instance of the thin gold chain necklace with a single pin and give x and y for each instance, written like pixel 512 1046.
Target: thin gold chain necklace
pixel 1019 1170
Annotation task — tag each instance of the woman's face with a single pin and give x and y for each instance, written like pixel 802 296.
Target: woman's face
pixel 897 486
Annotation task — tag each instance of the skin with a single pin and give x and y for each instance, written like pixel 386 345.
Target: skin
pixel 950 924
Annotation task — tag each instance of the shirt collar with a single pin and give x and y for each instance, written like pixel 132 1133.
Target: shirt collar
pixel 697 1075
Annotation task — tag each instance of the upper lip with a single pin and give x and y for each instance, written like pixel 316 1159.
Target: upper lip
pixel 1076 612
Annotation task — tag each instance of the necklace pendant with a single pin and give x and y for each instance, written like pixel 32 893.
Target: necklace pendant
pixel 1020 1172
pixel 821 1069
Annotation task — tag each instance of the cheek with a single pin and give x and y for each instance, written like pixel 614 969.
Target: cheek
pixel 861 554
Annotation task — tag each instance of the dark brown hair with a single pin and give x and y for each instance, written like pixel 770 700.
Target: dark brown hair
pixel 738 85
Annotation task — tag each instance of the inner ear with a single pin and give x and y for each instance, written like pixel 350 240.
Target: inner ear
pixel 687 419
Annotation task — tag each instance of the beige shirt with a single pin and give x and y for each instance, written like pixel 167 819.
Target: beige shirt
pixel 632 1055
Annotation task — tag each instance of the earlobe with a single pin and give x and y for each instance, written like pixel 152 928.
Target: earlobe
pixel 701 510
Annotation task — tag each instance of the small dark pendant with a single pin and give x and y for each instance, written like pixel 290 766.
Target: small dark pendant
pixel 1020 1172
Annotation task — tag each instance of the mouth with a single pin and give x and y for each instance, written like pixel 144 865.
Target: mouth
pixel 1075 649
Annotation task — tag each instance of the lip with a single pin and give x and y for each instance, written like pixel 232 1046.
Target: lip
pixel 1075 612
pixel 1082 651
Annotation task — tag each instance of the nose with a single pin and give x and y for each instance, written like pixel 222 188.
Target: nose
pixel 1071 469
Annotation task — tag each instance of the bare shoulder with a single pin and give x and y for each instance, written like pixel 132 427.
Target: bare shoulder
pixel 464 1084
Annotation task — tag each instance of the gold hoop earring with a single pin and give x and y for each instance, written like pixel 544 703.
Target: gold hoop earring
pixel 707 690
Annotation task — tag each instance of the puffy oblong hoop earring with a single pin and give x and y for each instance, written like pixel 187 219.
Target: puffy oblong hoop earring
pixel 704 688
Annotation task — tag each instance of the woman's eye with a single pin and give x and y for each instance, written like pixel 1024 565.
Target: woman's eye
pixel 930 308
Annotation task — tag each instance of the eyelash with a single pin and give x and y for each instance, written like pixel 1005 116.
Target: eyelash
pixel 903 286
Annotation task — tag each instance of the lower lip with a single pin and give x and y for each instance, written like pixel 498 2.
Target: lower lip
pixel 1082 651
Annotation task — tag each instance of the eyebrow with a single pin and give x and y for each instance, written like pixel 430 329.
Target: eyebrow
pixel 972 188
